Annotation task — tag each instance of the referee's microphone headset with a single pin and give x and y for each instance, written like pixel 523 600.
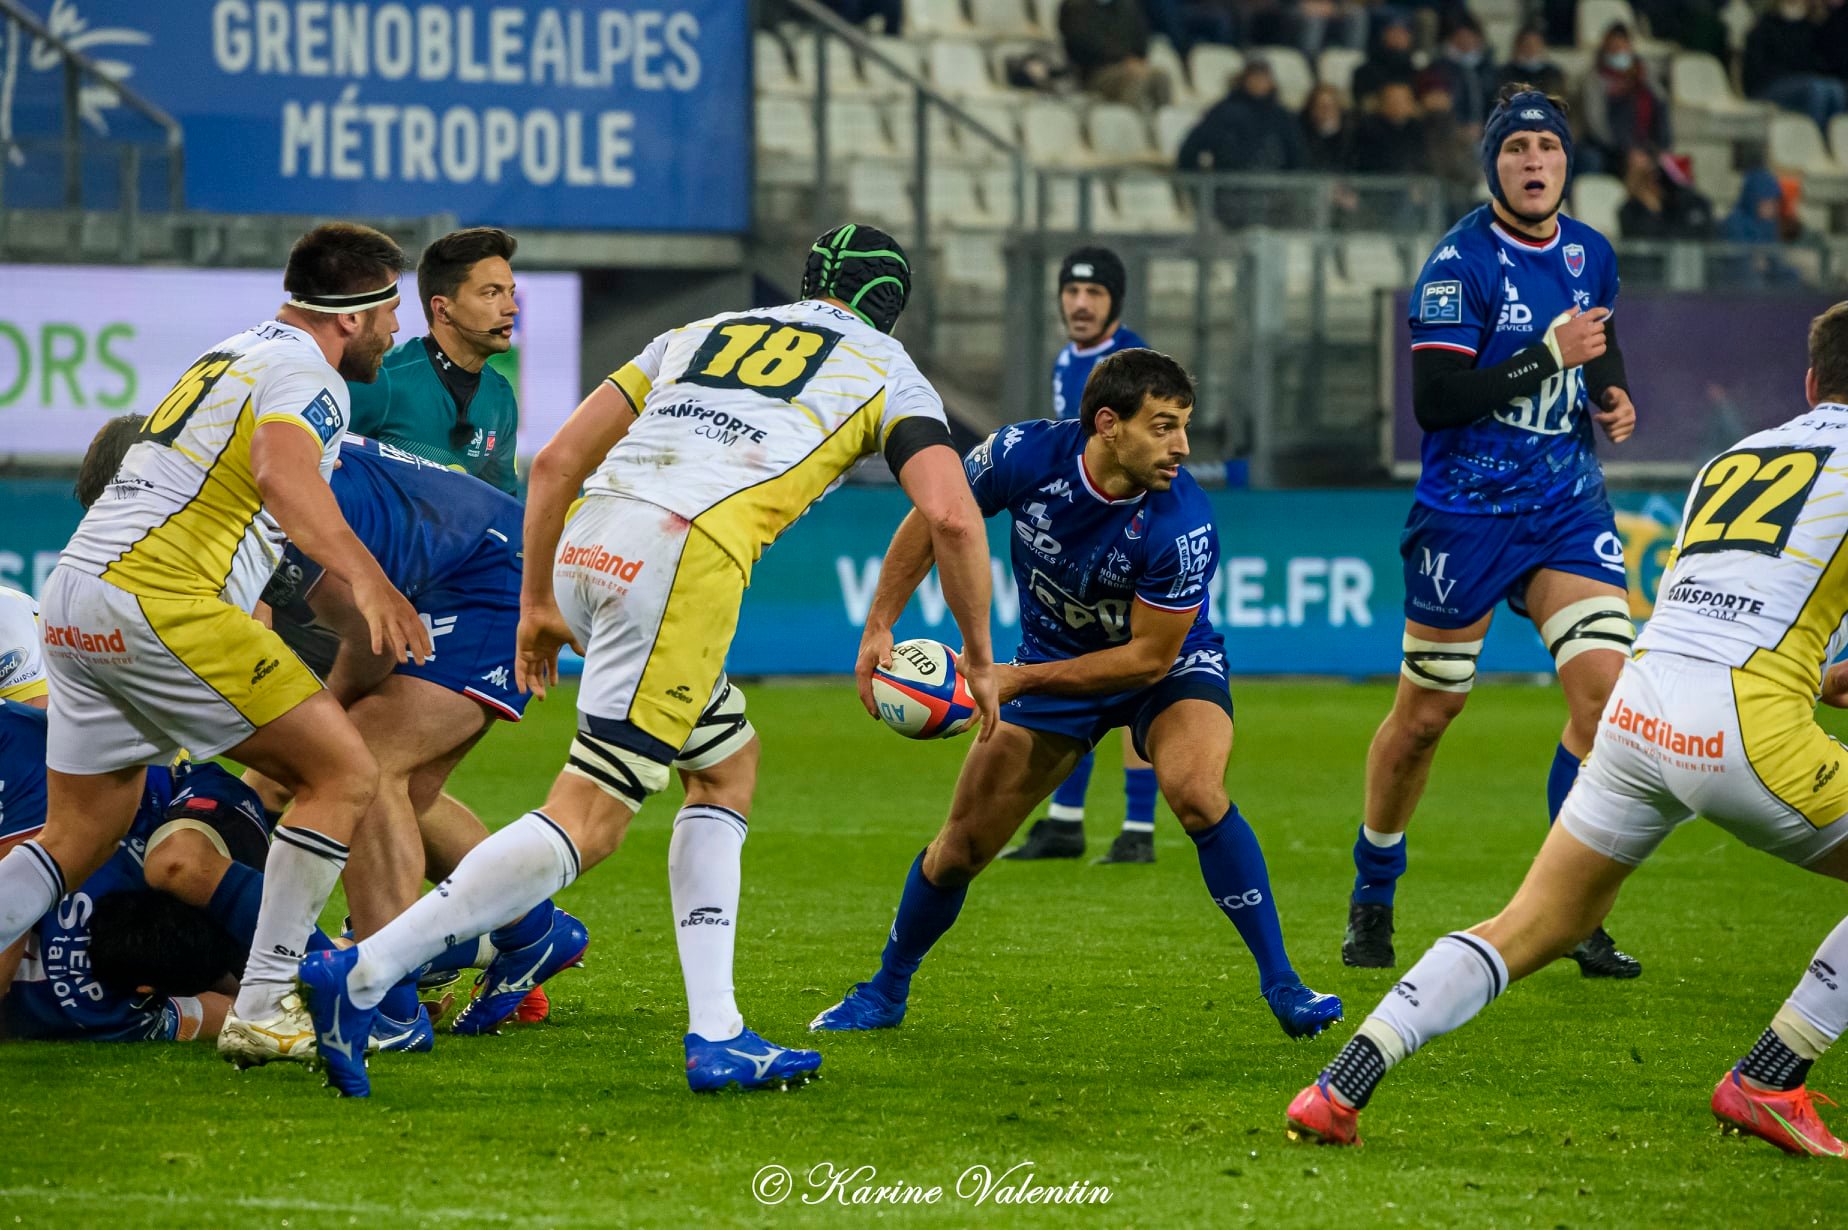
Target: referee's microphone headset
pixel 459 327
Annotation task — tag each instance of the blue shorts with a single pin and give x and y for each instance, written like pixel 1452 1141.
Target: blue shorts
pixel 472 618
pixel 1461 566
pixel 1198 674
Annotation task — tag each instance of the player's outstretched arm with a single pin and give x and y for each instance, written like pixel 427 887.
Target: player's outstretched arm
pixel 285 461
pixel 939 489
pixel 1155 639
pixel 594 428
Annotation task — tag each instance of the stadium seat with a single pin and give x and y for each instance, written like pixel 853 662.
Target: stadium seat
pixel 1172 124
pixel 1291 69
pixel 1050 132
pixel 1120 134
pixel 772 67
pixel 1597 16
pixel 1212 69
pixel 785 140
pixel 997 185
pixel 1714 176
pixel 1596 200
pixel 952 197
pixel 998 116
pixel 1497 10
pixel 1796 145
pixel 974 261
pixel 930 18
pixel 1163 56
pixel 876 194
pixel 906 53
pixel 1374 262
pixel 1336 65
pixel 1705 106
pixel 1147 203
pixel 960 69
pixel 1002 19
pixel 856 130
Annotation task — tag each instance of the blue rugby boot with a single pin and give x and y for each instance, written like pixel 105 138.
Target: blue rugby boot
pixel 748 1062
pixel 512 975
pixel 863 1008
pixel 341 1027
pixel 1302 1013
pixel 417 1036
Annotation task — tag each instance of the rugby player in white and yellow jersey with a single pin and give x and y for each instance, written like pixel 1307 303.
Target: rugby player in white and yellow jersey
pixel 1714 717
pixel 149 639
pixel 705 448
pixel 22 663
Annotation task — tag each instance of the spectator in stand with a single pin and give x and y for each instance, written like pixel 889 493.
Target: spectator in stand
pixel 1464 70
pixel 1619 108
pixel 1832 40
pixel 1531 64
pixel 1107 41
pixel 1328 131
pixel 1247 130
pixel 1393 139
pixel 1389 61
pixel 1451 148
pixel 1316 25
pixel 1757 219
pixel 1785 64
pixel 1187 23
pixel 859 12
pixel 1662 203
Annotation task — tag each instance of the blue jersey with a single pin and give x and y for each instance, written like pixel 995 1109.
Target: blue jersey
pixel 22 770
pixel 423 522
pixel 1489 294
pixel 54 994
pixel 1073 367
pixel 1080 558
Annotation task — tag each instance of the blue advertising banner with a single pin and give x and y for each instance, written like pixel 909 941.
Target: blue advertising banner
pixel 607 114
pixel 1309 581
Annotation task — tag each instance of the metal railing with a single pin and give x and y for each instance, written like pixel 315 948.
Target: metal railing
pixel 79 72
pixel 832 36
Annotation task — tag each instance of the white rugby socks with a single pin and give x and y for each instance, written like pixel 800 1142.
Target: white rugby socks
pixel 30 884
pixel 1817 1011
pixel 502 878
pixel 302 870
pixel 704 867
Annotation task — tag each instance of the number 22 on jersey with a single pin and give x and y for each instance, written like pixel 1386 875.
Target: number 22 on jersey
pixel 761 354
pixel 1749 499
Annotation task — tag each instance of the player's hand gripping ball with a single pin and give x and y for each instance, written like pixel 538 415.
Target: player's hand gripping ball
pixel 922 695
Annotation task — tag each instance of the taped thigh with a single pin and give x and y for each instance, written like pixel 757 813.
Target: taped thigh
pixel 1590 623
pixel 722 730
pixel 623 773
pixel 1441 666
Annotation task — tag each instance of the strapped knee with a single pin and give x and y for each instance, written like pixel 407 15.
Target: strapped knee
pixel 1441 666
pixel 1592 623
pixel 722 731
pixel 624 774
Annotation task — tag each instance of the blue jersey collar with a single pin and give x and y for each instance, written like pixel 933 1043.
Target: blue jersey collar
pixel 1096 492
pixel 1521 243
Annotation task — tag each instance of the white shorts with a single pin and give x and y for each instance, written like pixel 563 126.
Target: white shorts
pixel 1682 737
pixel 135 679
pixel 654 601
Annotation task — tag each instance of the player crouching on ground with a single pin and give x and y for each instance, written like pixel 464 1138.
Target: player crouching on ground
pixel 1715 717
pixel 1113 554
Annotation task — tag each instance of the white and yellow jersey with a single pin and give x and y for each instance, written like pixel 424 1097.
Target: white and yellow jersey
pixel 22 661
pixel 184 516
pixel 1760 578
pixel 748 418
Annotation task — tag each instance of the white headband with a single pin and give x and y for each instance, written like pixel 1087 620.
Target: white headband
pixel 363 301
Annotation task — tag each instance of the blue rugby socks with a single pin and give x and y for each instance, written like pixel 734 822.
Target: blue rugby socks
pixel 925 912
pixel 1559 781
pixel 528 928
pixel 1232 865
pixel 1068 800
pixel 1138 800
pixel 1379 861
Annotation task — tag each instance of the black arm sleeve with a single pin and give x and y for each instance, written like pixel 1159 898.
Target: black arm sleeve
pixel 1448 392
pixel 911 436
pixel 1606 371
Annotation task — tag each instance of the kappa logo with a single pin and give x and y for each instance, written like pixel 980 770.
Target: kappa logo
pixel 497 677
pixel 1010 438
pixel 1433 566
pixel 1058 487
pixel 1575 258
pixel 1447 253
pixel 1505 258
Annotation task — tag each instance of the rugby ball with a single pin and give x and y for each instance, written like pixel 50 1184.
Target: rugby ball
pixel 922 695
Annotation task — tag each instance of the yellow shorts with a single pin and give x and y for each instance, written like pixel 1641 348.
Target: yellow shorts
pixel 654 601
pixel 134 679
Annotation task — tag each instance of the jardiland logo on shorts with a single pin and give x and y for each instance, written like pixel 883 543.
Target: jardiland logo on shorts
pixel 1661 733
pixel 72 637
pixel 597 559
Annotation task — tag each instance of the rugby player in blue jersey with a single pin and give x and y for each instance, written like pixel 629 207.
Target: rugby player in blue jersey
pixel 1513 359
pixel 1113 551
pixel 1092 283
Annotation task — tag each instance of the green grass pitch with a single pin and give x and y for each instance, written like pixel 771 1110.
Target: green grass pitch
pixel 1101 1023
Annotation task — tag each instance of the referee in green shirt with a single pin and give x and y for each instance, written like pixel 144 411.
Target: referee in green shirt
pixel 435 395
